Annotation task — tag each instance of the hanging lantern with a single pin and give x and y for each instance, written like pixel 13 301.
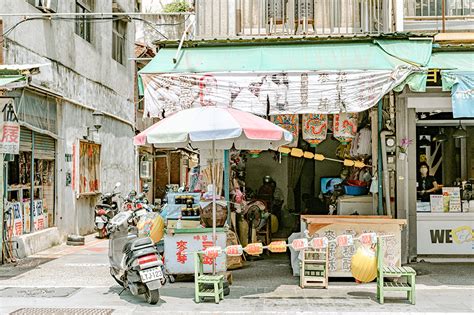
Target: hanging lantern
pixel 254 153
pixel 277 247
pixel 344 240
pixel 254 249
pixel 234 250
pixel 299 244
pixel 345 127
pixel 359 164
pixel 296 152
pixel 319 242
pixel 348 162
pixel 364 265
pixel 212 252
pixel 284 151
pixel 308 155
pixel 289 122
pixel 368 238
pixel 315 128
pixel 319 157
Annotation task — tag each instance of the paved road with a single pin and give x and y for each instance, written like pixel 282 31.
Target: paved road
pixel 77 277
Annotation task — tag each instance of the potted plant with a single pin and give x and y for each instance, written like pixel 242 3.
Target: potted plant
pixel 403 148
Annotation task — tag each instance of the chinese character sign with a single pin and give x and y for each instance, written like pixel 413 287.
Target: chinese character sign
pixel 9 137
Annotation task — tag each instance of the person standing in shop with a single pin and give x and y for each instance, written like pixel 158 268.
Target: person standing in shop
pixel 427 184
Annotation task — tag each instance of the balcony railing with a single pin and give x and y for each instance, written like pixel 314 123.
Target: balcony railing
pixel 428 15
pixel 253 18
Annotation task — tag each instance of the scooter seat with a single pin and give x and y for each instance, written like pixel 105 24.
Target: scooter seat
pixel 137 243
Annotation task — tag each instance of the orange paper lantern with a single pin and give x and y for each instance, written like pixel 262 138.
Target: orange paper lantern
pixel 254 249
pixel 212 252
pixel 277 247
pixel 299 244
pixel 234 250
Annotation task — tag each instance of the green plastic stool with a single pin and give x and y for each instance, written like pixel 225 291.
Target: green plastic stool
pixel 393 272
pixel 206 285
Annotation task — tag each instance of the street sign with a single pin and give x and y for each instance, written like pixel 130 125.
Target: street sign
pixel 9 137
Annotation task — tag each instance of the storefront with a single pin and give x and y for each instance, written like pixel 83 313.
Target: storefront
pixel 31 175
pixel 435 181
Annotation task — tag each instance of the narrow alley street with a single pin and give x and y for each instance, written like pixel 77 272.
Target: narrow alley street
pixel 78 277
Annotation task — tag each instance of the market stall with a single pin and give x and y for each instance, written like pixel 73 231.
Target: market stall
pixel 334 226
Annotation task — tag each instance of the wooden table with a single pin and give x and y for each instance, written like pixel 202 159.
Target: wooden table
pixel 332 226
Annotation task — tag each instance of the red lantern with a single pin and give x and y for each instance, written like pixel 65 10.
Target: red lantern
pixel 299 244
pixel 344 240
pixel 254 249
pixel 212 252
pixel 277 247
pixel 320 242
pixel 234 250
pixel 368 238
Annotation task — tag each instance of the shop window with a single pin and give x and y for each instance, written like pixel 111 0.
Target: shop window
pixel 119 29
pixel 89 167
pixel 83 25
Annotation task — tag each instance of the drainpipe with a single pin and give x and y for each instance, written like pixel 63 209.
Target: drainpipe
pixel 386 175
pixel 32 183
pixel 379 160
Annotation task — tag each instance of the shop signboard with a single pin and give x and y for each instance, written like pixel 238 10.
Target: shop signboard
pixel 180 248
pixel 9 137
pixel 439 235
pixel 26 215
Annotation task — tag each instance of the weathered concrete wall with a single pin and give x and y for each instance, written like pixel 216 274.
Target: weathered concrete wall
pixel 89 79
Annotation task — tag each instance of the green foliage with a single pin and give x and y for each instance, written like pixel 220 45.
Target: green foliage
pixel 177 6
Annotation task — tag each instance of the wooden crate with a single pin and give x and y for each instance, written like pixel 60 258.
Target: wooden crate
pixel 314 268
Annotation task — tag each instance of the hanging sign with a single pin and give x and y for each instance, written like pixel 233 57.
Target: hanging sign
pixel 9 137
pixel 17 218
pixel 234 250
pixel 254 249
pixel 289 123
pixel 212 252
pixel 294 92
pixel 345 127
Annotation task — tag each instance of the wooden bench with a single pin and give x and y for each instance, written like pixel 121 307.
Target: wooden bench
pixel 206 285
pixel 393 272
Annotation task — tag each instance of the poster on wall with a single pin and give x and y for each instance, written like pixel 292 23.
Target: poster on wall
pixel 291 92
pixel 26 215
pixel 17 218
pixel 89 167
pixel 38 215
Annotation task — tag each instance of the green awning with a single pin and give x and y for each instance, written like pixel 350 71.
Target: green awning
pixel 378 55
pixel 462 60
pixel 6 79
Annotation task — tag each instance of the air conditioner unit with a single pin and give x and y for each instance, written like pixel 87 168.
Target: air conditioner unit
pixel 50 6
pixel 145 169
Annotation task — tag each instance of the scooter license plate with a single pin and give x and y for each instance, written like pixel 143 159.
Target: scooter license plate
pixel 151 274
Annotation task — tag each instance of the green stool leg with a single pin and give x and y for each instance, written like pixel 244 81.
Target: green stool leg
pixel 411 281
pixel 216 292
pixel 221 283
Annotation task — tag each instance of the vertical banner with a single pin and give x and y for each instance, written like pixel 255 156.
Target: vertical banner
pixel 17 218
pixel 462 92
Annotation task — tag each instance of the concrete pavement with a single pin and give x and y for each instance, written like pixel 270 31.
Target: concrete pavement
pixel 78 277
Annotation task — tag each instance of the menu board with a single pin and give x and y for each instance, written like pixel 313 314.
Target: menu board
pixel 451 199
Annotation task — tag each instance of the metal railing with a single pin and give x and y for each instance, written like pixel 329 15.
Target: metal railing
pixel 243 18
pixel 434 8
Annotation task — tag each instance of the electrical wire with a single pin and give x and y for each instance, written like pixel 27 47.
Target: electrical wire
pixel 90 19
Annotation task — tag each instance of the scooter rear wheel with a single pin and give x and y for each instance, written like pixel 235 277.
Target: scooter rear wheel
pixel 152 296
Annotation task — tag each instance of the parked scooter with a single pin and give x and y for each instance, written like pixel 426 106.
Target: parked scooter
pixel 105 210
pixel 135 262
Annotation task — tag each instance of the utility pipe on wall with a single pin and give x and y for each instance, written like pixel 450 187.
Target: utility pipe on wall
pixel 379 160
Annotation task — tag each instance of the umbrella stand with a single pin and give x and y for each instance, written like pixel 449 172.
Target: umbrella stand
pixel 214 210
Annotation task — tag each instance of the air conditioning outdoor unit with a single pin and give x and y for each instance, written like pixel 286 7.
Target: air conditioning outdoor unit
pixel 50 6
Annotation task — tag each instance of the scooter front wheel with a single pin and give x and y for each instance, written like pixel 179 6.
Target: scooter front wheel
pixel 152 296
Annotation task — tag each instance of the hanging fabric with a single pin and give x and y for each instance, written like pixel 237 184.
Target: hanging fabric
pixel 315 128
pixel 290 123
pixel 345 127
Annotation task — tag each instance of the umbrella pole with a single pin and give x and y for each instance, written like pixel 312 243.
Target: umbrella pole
pixel 214 210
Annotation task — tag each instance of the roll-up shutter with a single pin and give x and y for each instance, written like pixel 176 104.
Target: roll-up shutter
pixel 25 139
pixel 45 146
